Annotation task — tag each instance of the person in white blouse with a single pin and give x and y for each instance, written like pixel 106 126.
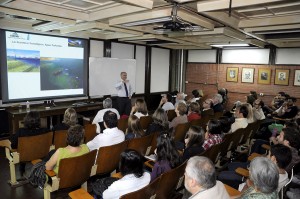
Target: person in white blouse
pixel 257 110
pixel 241 121
pixel 125 92
pixel 165 102
pixel 110 136
pixel 134 177
pixel 107 106
pixel 139 109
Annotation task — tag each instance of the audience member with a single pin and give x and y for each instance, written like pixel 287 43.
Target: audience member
pixel 288 109
pixel 250 116
pixel 140 108
pixel 196 96
pixel 111 135
pixel 134 177
pixel 213 134
pixel 257 110
pixel 180 116
pixel 225 124
pixel 254 94
pixel 224 93
pixel 193 142
pixel 250 99
pixel 70 119
pixel 107 106
pixel 134 129
pixel 180 98
pixel 166 102
pixel 167 156
pixel 160 122
pixel 200 179
pixel 207 106
pixel 194 111
pixel 278 100
pixel 217 103
pixel 240 114
pixel 263 181
pixel 75 148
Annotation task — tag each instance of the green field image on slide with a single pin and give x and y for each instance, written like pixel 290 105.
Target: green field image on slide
pixel 20 66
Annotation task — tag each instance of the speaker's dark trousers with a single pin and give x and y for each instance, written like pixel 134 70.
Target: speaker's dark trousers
pixel 124 105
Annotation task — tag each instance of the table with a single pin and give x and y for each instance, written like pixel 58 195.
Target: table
pixel 15 115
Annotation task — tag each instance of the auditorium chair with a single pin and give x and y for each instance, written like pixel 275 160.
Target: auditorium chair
pixel 89 132
pixel 180 131
pixel 60 139
pixel 171 114
pixel 123 124
pixel 145 121
pixel 142 145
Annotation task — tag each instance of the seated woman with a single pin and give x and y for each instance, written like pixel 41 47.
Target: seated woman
pixel 225 124
pixel 134 177
pixel 139 109
pixel 180 116
pixel 194 111
pixel 167 156
pixel 196 96
pixel 75 148
pixel 250 117
pixel 134 129
pixel 160 122
pixel 213 134
pixel 70 119
pixel 193 142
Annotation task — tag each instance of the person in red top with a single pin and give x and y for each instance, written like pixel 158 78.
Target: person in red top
pixel 213 134
pixel 194 111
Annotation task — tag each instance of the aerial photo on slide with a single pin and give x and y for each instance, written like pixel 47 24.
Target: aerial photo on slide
pixel 61 73
pixel 23 60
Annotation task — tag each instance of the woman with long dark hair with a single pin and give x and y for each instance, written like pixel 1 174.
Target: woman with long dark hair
pixel 134 129
pixel 193 142
pixel 160 122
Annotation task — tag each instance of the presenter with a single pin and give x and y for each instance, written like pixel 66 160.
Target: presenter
pixel 124 94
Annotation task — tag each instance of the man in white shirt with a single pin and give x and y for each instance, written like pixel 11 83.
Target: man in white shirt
pixel 165 102
pixel 125 92
pixel 257 110
pixel 180 98
pixel 107 106
pixel 110 136
pixel 241 122
pixel 200 179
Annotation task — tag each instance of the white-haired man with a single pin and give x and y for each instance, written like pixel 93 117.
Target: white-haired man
pixel 200 179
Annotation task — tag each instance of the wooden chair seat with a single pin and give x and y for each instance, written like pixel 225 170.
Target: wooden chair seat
pixel 242 172
pixel 89 132
pixel 145 121
pixel 232 191
pixel 60 139
pixel 80 194
pixel 72 172
pixel 142 145
pixel 29 148
pixel 108 158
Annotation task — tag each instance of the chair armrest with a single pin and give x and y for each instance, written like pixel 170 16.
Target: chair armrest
pixel 253 155
pixel 80 194
pixel 6 143
pixel 232 191
pixel 150 164
pixel 50 173
pixel 117 175
pixel 266 146
pixel 242 172
pixel 34 162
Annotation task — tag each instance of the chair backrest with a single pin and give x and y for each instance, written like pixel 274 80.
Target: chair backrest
pixel 248 131
pixel 34 147
pixel 123 124
pixel 213 152
pixel 146 192
pixel 145 121
pixel 170 181
pixel 108 157
pixel 196 122
pixel 171 114
pixel 226 144
pixel 75 171
pixel 153 142
pixel 237 138
pixel 140 144
pixel 204 120
pixel 217 115
pixel 60 139
pixel 180 131
pixel 89 132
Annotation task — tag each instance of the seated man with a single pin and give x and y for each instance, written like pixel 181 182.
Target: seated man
pixel 110 136
pixel 240 114
pixel 257 110
pixel 107 106
pixel 288 109
pixel 180 98
pixel 217 101
pixel 165 102
pixel 200 179
pixel 207 106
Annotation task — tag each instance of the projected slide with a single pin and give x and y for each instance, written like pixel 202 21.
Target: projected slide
pixel 40 66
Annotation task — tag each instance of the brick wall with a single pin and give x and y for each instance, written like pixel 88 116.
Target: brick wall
pixel 210 77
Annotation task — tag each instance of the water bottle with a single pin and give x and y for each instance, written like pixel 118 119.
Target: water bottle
pixel 27 106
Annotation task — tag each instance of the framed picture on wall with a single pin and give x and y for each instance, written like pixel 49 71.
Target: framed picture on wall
pixel 248 75
pixel 297 78
pixel 232 74
pixel 282 77
pixel 264 76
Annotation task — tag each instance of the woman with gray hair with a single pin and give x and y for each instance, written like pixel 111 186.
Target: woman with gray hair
pixel 263 180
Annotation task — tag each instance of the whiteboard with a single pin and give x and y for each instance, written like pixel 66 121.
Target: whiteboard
pixel 287 56
pixel 104 73
pixel 160 63
pixel 202 56
pixel 140 55
pixel 246 56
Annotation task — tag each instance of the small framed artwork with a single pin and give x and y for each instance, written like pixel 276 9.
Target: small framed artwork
pixel 282 77
pixel 232 74
pixel 297 78
pixel 248 75
pixel 264 76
